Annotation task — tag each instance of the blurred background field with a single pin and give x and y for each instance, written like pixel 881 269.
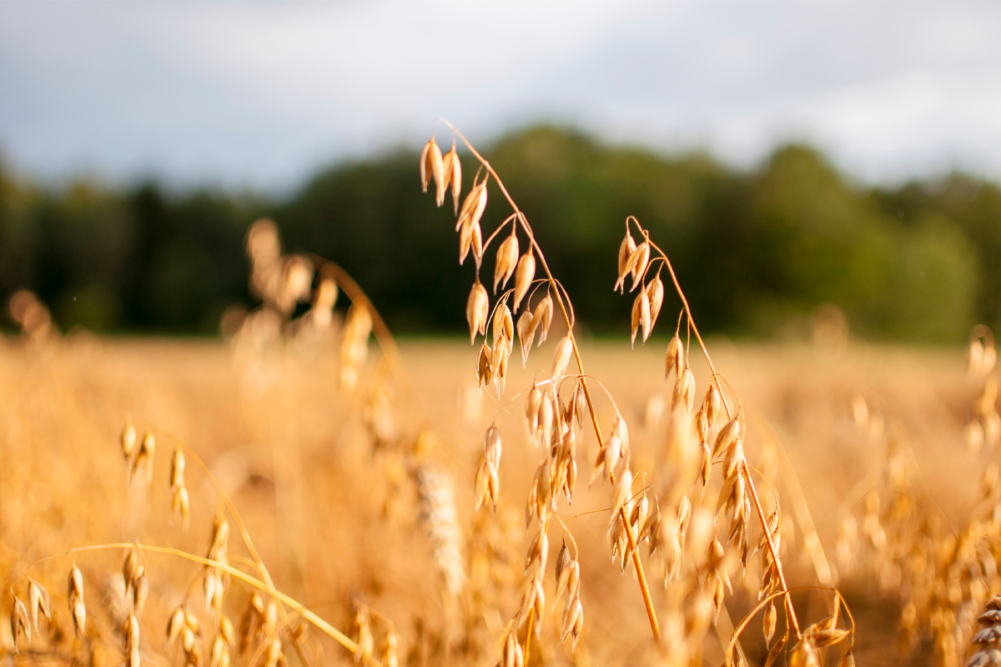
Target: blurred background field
pixel 296 459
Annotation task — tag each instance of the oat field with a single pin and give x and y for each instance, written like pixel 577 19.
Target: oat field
pixel 313 491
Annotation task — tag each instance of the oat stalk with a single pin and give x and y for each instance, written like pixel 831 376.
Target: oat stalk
pixel 745 469
pixel 568 320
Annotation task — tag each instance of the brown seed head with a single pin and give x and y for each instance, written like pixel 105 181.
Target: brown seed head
pixel 451 167
pixel 641 317
pixel 655 292
pixel 523 277
pixel 626 249
pixel 38 600
pixel 543 317
pixel 431 166
pixel 675 356
pixel 128 438
pixel 561 356
pixel 506 262
pixel 477 311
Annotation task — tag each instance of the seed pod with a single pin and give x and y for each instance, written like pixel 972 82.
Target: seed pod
pixel 128 438
pixel 473 206
pixel 684 389
pixel 177 469
pixel 38 600
pixel 503 324
pixel 79 612
pixel 431 165
pixel 526 334
pixel 507 261
pixel 655 292
pixel 726 436
pixel 523 277
pixel 626 249
pixel 75 584
pixel 452 172
pixel 675 356
pixel 140 593
pixel 492 445
pixel 477 242
pixel 175 625
pixel 561 357
pixel 477 311
pixel 563 562
pixel 19 624
pixel 639 263
pixel 768 621
pixel 641 317
pixel 543 317
pixel 622 492
pixel 498 364
pixel 712 403
pixel 533 406
pixel 389 649
pixel 484 369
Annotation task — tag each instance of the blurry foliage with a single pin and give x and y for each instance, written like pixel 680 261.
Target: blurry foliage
pixel 757 250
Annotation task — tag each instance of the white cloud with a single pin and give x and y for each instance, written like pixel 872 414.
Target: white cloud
pixel 262 93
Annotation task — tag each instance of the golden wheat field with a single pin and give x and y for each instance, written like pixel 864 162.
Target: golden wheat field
pixel 340 522
pixel 312 492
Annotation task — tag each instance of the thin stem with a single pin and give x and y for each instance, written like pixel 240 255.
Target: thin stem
pixel 527 228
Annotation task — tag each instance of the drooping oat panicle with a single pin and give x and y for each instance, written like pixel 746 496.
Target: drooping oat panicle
pixel 477 311
pixel 507 261
pixel 523 277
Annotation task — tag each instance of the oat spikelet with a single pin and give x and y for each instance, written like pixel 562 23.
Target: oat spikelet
pixel 523 277
pixel 477 311
pixel 452 168
pixel 431 167
pixel 38 600
pixel 675 357
pixel 19 623
pixel 144 459
pixel 128 438
pixel 440 519
pixel 507 261
pixel 75 597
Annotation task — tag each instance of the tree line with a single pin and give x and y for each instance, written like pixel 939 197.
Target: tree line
pixel 757 251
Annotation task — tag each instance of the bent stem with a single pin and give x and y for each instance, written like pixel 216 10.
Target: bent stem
pixel 745 470
pixel 557 289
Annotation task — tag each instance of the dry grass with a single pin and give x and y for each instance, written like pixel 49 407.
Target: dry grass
pixel 288 458
pixel 302 495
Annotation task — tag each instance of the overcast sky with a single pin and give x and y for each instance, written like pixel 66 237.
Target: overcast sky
pixel 261 94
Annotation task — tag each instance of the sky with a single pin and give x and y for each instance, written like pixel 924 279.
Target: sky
pixel 261 95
